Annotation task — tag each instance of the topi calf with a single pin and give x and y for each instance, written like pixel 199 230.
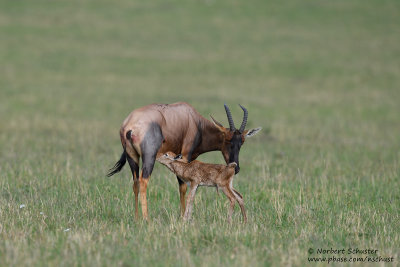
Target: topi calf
pixel 204 174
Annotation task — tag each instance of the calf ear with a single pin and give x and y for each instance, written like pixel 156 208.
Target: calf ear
pixel 252 132
pixel 232 164
pixel 178 157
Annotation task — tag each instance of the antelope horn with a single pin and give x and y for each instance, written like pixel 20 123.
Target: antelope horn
pixel 230 120
pixel 216 122
pixel 245 115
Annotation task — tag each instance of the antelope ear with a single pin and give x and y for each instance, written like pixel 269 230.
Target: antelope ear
pixel 178 157
pixel 252 132
pixel 218 125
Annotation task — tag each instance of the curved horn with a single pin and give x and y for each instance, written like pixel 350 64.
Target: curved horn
pixel 245 115
pixel 230 120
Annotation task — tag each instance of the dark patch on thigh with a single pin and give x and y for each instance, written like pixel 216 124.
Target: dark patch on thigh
pixel 196 142
pixel 150 145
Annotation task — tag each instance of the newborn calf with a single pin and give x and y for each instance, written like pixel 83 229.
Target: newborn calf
pixel 199 173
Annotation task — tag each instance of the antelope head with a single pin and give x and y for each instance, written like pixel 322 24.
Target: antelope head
pixel 234 138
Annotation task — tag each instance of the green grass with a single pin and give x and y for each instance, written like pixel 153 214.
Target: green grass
pixel 321 77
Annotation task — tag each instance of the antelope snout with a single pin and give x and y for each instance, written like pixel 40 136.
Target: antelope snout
pixel 237 169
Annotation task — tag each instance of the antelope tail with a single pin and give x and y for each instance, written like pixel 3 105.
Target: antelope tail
pixel 118 166
pixel 121 162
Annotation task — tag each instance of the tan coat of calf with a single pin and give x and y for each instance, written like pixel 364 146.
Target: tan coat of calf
pixel 204 174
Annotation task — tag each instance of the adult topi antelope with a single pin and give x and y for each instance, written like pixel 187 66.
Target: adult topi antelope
pixel 179 128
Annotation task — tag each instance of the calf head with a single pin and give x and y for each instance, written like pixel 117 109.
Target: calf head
pixel 234 138
pixel 168 158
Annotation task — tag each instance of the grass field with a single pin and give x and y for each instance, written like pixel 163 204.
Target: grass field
pixel 321 77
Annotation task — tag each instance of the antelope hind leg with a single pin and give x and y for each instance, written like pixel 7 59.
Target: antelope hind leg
pixel 135 177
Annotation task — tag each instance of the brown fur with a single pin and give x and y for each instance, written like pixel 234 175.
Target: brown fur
pixel 179 124
pixel 204 174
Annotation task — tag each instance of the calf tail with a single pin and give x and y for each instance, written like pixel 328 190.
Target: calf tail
pixel 118 166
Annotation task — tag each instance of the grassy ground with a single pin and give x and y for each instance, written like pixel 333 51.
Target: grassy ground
pixel 321 77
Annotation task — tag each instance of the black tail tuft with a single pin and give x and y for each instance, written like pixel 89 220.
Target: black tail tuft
pixel 118 166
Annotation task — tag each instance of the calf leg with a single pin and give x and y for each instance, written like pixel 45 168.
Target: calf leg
pixel 228 192
pixel 182 193
pixel 189 204
pixel 239 199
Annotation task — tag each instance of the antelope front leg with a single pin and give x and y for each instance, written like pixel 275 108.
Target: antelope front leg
pixel 189 201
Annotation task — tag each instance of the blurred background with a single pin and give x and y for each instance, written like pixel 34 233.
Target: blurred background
pixel 321 77
pixel 84 65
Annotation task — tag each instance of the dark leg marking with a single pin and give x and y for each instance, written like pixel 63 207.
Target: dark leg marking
pixel 150 145
pixel 196 142
pixel 135 176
